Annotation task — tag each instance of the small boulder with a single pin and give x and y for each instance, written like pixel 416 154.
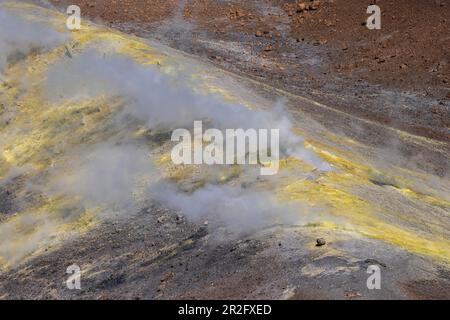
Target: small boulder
pixel 302 7
pixel 320 242
pixel 315 5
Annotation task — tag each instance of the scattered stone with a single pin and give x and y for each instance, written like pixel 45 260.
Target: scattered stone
pixel 320 242
pixel 315 5
pixel 302 7
pixel 160 220
pixel 164 281
pixel 353 294
pixel 373 261
pixel 258 33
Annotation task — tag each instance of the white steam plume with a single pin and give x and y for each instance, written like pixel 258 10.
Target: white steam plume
pixel 239 209
pixel 165 103
pixel 107 174
pixel 19 37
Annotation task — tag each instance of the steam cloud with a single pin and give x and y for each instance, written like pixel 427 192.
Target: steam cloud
pixel 113 173
pixel 107 174
pixel 24 235
pixel 164 103
pixel 239 209
pixel 19 37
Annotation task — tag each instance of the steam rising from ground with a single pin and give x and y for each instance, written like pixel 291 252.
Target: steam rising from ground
pixel 120 174
pixel 107 174
pixel 19 37
pixel 165 103
pixel 239 209
pixel 23 235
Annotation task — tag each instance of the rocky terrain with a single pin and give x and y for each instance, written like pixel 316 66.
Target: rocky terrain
pixel 398 75
pixel 373 104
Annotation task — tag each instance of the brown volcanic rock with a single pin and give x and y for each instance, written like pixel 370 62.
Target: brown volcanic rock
pixel 410 53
